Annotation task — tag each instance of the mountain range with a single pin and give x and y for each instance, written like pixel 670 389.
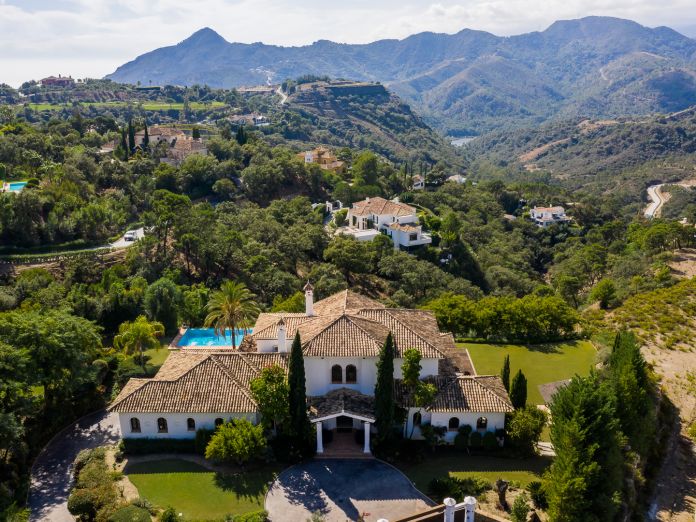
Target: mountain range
pixel 469 82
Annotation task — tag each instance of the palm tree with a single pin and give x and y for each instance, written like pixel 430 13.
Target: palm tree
pixel 138 336
pixel 231 307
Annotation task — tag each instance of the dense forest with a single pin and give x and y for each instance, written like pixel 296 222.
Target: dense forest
pixel 251 211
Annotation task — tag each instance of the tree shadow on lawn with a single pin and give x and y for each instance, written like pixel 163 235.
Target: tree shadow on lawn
pixel 246 484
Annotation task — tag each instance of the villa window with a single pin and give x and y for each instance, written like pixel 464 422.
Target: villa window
pixel 191 424
pixel 162 425
pixel 453 424
pixel 417 418
pixel 482 423
pixel 219 422
pixel 336 374
pixel 351 374
pixel 135 425
pixel 413 237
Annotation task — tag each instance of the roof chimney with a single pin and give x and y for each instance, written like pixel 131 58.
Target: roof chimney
pixel 282 336
pixel 309 299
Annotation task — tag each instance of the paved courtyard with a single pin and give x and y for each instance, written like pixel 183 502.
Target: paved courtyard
pixel 341 490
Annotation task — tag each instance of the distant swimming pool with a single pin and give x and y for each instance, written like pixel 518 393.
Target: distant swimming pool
pixel 16 186
pixel 208 337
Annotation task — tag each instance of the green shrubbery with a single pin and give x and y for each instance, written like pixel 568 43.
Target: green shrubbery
pixel 145 446
pixel 457 488
pixel 130 514
pixel 95 493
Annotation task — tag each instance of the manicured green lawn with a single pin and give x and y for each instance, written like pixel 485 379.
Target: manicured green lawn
pixel 540 363
pixel 157 357
pixel 198 493
pixel 460 465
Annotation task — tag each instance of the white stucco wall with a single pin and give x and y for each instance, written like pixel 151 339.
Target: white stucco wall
pixel 318 373
pixel 495 421
pixel 176 423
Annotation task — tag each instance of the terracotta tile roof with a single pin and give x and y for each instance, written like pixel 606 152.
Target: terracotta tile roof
pixel 343 400
pixel 484 393
pixel 405 227
pixel 197 383
pixel 344 301
pixel 343 336
pixel 411 329
pixel 381 206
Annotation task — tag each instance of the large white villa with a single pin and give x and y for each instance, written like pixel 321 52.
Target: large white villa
pixel 373 216
pixel 341 339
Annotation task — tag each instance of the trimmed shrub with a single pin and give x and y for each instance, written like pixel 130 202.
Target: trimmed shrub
pixel 440 489
pixel 83 502
pixel 461 441
pixel 457 488
pixel 254 516
pixel 489 441
pixel 203 437
pixel 130 514
pixel 476 440
pixel 146 446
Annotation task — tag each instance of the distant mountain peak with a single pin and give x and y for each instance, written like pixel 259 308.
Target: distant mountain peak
pixel 204 36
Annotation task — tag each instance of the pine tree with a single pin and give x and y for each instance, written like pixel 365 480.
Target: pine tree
pixel 384 391
pixel 146 139
pixel 518 390
pixel 300 427
pixel 505 373
pixel 131 136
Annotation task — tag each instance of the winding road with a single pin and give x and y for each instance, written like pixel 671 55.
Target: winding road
pixel 656 201
pixel 51 475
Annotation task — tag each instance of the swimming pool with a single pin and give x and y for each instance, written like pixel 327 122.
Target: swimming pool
pixel 16 186
pixel 208 337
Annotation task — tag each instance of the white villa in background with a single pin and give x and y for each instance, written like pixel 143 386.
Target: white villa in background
pixel 418 182
pixel 457 178
pixel 342 335
pixel 547 216
pixel 373 216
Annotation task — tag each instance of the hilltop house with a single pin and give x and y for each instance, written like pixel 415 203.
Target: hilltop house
pixel 60 81
pixel 547 216
pixel 341 339
pixel 324 158
pixel 373 216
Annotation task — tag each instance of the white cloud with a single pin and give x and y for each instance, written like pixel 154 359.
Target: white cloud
pixel 93 37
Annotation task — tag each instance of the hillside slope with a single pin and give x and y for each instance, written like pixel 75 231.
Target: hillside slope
pixel 618 155
pixel 471 81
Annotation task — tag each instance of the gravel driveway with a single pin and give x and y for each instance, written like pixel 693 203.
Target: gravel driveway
pixel 51 475
pixel 343 489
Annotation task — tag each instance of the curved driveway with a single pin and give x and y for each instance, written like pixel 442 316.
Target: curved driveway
pixel 51 475
pixel 342 489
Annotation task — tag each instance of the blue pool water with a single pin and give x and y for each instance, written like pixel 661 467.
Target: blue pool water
pixel 207 337
pixel 16 186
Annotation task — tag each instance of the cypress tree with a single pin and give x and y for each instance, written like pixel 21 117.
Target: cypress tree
pixel 241 136
pixel 146 139
pixel 585 479
pixel 131 136
pixel 518 390
pixel 300 427
pixel 505 373
pixel 124 146
pixel 384 391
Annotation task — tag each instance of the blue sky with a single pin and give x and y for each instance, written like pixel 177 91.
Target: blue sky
pixel 90 38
